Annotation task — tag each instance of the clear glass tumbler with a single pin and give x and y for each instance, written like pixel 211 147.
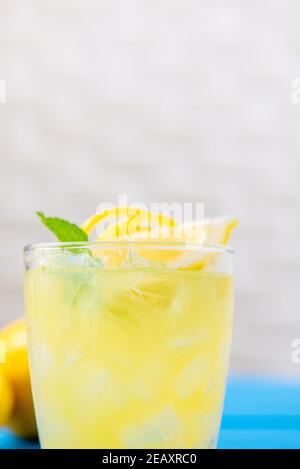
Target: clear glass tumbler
pixel 129 342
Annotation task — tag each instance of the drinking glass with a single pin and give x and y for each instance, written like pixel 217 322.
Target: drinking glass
pixel 128 348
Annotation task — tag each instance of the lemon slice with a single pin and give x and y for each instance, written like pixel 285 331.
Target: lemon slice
pixel 134 224
pixel 131 222
pixel 205 232
pixel 164 236
pixel 215 231
pixel 152 218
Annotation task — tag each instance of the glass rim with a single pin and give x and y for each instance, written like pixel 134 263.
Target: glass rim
pixel 186 245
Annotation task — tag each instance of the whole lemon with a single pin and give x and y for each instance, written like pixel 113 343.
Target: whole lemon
pixel 16 371
pixel 6 399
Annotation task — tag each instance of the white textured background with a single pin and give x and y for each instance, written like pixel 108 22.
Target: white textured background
pixel 165 101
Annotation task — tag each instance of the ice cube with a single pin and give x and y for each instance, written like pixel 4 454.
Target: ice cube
pixel 66 259
pixel 82 291
pixel 92 390
pixel 87 377
pixel 187 340
pixel 148 380
pixel 71 357
pixel 150 292
pixel 158 430
pixel 191 377
pixel 134 260
pixel 41 358
pixel 141 297
pixel 77 258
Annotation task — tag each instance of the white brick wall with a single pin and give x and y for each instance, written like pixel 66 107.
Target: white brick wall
pixel 163 100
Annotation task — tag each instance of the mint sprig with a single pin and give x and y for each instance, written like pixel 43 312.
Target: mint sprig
pixel 63 229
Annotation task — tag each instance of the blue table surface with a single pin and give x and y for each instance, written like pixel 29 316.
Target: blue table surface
pixel 258 413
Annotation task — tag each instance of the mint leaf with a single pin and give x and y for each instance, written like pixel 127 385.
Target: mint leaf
pixel 63 229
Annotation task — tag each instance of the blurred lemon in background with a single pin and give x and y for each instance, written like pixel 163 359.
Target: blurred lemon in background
pixel 6 399
pixel 16 405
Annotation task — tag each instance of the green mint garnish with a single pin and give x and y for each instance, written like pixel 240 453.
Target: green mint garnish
pixel 63 229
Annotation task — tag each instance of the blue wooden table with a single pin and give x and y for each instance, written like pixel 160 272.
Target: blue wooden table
pixel 259 413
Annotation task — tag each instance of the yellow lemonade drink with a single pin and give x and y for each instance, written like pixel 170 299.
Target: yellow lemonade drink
pixel 133 356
